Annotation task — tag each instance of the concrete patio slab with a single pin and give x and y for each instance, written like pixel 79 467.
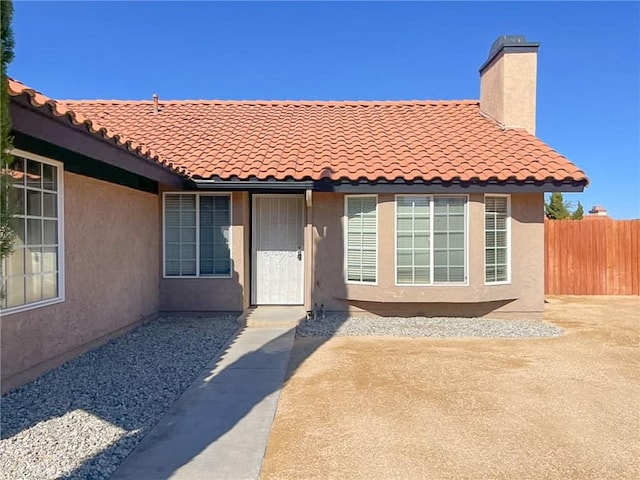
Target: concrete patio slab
pixel 220 426
pixel 267 316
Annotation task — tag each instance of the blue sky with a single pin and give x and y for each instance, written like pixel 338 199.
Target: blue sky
pixel 588 64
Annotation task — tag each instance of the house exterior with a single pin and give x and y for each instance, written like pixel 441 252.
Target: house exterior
pixel 130 208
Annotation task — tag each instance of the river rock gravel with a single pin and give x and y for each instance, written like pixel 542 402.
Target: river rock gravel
pixel 441 327
pixel 82 419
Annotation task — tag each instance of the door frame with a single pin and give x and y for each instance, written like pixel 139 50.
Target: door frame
pixel 253 266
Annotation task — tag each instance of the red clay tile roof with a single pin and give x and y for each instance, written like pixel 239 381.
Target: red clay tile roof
pixel 439 140
pixel 302 140
pixel 59 109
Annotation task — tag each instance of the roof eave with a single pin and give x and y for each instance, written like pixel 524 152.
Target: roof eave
pixel 39 121
pixel 397 186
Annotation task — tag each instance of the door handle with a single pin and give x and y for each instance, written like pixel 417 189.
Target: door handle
pixel 299 253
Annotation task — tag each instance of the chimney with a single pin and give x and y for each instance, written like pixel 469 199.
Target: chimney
pixel 155 103
pixel 508 82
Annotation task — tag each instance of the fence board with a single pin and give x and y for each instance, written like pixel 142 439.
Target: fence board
pixel 592 257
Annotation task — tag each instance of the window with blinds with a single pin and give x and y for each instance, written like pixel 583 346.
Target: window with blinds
pixel 215 257
pixel 430 239
pixel 362 238
pixel 196 235
pixel 496 238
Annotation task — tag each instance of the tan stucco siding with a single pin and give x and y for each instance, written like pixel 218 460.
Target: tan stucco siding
pixel 508 90
pixel 111 279
pixel 527 257
pixel 520 99
pixel 523 296
pixel 204 294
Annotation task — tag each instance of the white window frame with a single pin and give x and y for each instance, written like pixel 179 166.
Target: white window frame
pixel 60 219
pixel 484 239
pixel 345 227
pixel 198 195
pixel 431 198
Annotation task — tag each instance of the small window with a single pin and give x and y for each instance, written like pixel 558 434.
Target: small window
pixel 496 238
pixel 197 235
pixel 362 239
pixel 31 274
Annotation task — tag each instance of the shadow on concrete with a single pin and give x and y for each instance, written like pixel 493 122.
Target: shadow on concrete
pixel 238 395
pixel 218 403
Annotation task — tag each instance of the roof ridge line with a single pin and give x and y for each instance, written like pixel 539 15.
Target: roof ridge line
pixel 277 102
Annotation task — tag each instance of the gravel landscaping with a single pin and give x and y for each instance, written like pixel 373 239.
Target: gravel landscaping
pixel 82 419
pixel 341 325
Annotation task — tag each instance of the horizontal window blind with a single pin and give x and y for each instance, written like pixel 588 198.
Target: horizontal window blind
pixel 496 215
pixel 196 235
pixel 215 218
pixel 180 235
pixel 362 240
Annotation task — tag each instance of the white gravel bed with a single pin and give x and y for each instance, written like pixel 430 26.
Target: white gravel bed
pixel 82 419
pixel 441 327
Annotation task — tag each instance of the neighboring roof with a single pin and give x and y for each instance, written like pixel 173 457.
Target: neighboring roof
pixel 598 209
pixel 59 109
pixel 303 140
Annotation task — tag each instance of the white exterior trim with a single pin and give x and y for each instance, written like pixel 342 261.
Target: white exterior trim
pixel 198 195
pixel 60 219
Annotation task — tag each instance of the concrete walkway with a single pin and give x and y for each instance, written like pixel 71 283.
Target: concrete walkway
pixel 218 429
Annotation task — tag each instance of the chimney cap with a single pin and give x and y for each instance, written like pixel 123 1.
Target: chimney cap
pixel 509 44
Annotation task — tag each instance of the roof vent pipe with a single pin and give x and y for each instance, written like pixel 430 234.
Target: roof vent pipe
pixel 155 103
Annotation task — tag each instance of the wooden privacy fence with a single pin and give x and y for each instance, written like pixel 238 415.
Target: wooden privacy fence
pixel 592 257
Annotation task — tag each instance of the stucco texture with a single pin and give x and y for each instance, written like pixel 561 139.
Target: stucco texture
pixel 523 297
pixel 111 275
pixel 508 90
pixel 324 267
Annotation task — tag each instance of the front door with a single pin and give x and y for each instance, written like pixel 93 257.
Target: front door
pixel 278 262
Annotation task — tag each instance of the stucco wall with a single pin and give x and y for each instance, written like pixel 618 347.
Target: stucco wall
pixel 215 294
pixel 111 279
pixel 324 277
pixel 508 90
pixel 523 297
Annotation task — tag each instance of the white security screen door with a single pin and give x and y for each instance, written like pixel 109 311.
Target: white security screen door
pixel 278 261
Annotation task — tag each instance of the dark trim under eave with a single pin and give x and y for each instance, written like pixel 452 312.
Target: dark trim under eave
pixel 82 165
pixel 37 123
pixel 391 187
pixel 254 185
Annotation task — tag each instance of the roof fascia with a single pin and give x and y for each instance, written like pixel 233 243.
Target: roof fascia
pixel 456 187
pixel 390 187
pixel 219 184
